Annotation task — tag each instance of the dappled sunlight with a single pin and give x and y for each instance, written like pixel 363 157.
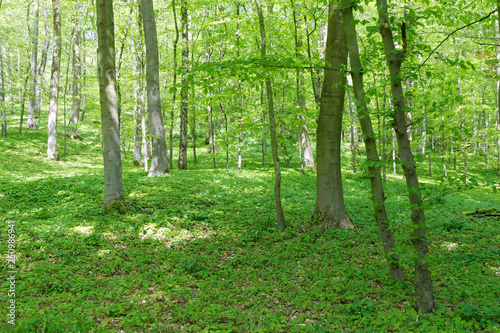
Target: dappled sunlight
pixel 84 230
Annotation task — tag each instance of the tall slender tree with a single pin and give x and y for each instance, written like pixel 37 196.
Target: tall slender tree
pixel 182 163
pixel 159 161
pixel 43 62
pixel 424 293
pixel 3 118
pixel 77 82
pixel 54 82
pixel 330 211
pixel 272 124
pixel 31 122
pixel 113 186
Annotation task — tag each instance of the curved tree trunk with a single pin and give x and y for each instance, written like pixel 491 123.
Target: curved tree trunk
pixel 272 125
pixel 159 161
pixel 330 211
pixel 377 189
pixel 54 83
pixel 424 293
pixel 113 186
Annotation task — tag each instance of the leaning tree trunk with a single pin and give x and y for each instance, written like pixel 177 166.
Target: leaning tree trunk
pixel 113 186
pixel 330 211
pixel 159 161
pixel 54 83
pixel 77 84
pixel 182 162
pixel 272 125
pixel 31 123
pixel 377 189
pixel 424 293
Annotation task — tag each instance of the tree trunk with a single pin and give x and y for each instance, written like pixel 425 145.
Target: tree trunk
pixel 182 163
pixel 498 82
pixel 54 83
pixel 31 123
pixel 113 186
pixel 3 118
pixel 43 62
pixel 137 111
pixel 159 162
pixel 377 189
pixel 77 84
pixel 330 211
pixel 272 125
pixel 424 293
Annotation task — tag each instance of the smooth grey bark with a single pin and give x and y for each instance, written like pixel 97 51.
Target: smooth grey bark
pixel 3 118
pixel 43 63
pixel 31 122
pixel 113 186
pixel 424 293
pixel 84 74
pixel 159 161
pixel 182 162
pixel 54 82
pixel 174 85
pixel 330 211
pixel 137 111
pixel 280 217
pixel 77 83
pixel 315 72
pixel 377 189
pixel 498 81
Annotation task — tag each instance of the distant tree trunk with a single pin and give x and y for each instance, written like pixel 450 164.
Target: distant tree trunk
pixel 174 87
pixel 43 62
pixel 424 293
pixel 137 111
pixel 272 125
pixel 182 162
pixel 315 73
pixel 113 186
pixel 159 161
pixel 11 79
pixel 193 123
pixel 23 100
pixel 498 82
pixel 377 189
pixel 54 82
pixel 77 84
pixel 3 119
pixel 330 211
pixel 31 123
pixel 84 71
pixel 240 134
pixel 353 132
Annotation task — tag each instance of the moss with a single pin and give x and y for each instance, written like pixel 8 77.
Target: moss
pixel 119 205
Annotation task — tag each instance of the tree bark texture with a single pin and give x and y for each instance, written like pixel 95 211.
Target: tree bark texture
pixel 113 186
pixel 54 82
pixel 77 83
pixel 159 161
pixel 377 189
pixel 424 293
pixel 3 118
pixel 330 211
pixel 272 125
pixel 43 63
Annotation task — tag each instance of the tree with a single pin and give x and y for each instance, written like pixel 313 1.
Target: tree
pixel 182 163
pixel 330 211
pixel 31 123
pixel 3 119
pixel 113 186
pixel 159 161
pixel 272 124
pixel 377 189
pixel 54 82
pixel 77 82
pixel 424 293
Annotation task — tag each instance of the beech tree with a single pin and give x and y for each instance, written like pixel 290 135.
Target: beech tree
pixel 54 82
pixel 31 122
pixel 330 211
pixel 113 186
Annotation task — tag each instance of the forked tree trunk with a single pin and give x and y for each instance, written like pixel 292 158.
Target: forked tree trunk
pixel 377 189
pixel 54 82
pixel 424 293
pixel 182 162
pixel 330 211
pixel 272 125
pixel 113 186
pixel 159 161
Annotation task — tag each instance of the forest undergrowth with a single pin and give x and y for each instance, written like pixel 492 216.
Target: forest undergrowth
pixel 198 251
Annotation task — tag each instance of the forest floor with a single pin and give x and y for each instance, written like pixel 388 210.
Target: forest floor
pixel 198 251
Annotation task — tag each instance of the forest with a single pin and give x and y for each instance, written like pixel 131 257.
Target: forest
pixel 250 166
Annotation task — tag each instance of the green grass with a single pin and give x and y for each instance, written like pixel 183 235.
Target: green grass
pixel 199 250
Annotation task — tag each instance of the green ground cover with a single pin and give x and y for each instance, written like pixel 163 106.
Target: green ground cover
pixel 198 251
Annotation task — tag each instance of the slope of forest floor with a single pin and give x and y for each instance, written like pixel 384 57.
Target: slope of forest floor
pixel 198 251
